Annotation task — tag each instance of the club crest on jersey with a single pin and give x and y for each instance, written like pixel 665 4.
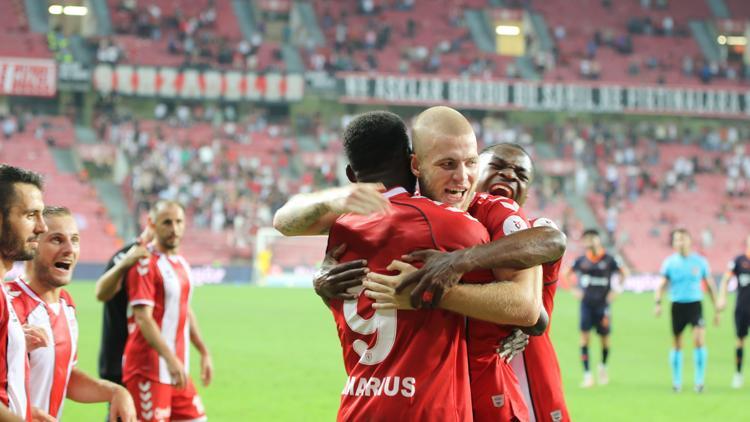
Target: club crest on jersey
pixel 498 400
pixel 513 224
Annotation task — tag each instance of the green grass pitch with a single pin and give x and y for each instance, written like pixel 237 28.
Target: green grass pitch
pixel 277 358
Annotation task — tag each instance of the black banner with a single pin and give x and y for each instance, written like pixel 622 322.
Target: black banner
pixel 544 96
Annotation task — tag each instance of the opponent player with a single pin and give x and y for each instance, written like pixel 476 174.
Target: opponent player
pixel 163 326
pixel 21 208
pixel 40 300
pixel 683 272
pixel 112 290
pixel 448 175
pixel 594 271
pixel 740 268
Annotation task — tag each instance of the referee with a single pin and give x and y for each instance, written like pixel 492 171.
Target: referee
pixel 684 271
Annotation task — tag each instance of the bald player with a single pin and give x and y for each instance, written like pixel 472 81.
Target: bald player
pixel 445 161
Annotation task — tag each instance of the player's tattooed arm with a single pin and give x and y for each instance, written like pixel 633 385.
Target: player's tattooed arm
pixel 334 280
pixel 513 302
pixel 519 250
pixel 309 214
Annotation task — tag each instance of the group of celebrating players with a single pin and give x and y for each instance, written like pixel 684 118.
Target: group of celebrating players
pixel 148 325
pixel 441 289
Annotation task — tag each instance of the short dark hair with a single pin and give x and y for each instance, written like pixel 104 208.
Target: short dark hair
pixel 376 140
pixel 56 211
pixel 491 148
pixel 9 177
pixel 591 232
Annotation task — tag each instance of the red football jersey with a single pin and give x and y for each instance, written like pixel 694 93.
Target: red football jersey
pixel 496 394
pixel 537 369
pixel 163 282
pixel 403 365
pixel 50 367
pixel 14 382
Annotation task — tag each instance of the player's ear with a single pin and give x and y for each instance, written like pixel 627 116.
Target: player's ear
pixel 414 164
pixel 350 174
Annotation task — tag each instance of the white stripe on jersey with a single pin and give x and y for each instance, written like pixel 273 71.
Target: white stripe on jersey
pixel 171 318
pixel 186 332
pixel 42 360
pixel 519 367
pixel 16 361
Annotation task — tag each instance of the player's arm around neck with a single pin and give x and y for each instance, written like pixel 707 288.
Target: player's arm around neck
pixel 143 315
pixel 519 250
pixel 309 214
pixel 515 301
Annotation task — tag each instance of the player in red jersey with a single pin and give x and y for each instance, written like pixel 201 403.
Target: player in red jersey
pixel 40 300
pixel 21 208
pixel 156 354
pixel 478 301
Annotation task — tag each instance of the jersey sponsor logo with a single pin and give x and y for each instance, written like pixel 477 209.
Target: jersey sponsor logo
pixel 498 400
pixel 376 387
pixel 744 279
pixel 556 415
pixel 588 280
pixel 513 224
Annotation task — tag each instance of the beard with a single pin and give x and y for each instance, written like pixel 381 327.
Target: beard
pixel 12 246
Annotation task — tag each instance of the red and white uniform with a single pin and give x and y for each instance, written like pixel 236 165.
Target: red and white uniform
pixel 403 365
pixel 164 283
pixel 537 369
pixel 496 395
pixel 14 366
pixel 50 367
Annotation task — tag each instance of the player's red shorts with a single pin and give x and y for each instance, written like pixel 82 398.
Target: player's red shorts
pixel 495 393
pixel 157 402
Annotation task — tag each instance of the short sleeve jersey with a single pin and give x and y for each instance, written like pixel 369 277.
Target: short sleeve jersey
pixel 403 365
pixel 595 277
pixel 685 274
pixel 114 326
pixel 740 267
pixel 496 394
pixel 50 367
pixel 14 383
pixel 163 282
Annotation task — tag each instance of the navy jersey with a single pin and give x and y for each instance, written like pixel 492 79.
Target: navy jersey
pixel 114 327
pixel 595 277
pixel 740 267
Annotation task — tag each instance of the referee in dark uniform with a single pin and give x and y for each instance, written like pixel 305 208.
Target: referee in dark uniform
pixel 111 290
pixel 594 271
pixel 739 267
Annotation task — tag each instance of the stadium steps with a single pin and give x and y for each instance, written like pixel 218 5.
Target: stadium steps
pixel 102 17
pixel 541 29
pixel 66 160
pixel 85 135
pixel 117 207
pixel 719 9
pixel 292 59
pixel 36 11
pixel 702 34
pixel 244 13
pixel 526 68
pixel 310 21
pixel 479 28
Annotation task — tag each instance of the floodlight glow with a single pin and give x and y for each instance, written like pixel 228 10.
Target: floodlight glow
pixel 507 30
pixel 75 10
pixel 55 9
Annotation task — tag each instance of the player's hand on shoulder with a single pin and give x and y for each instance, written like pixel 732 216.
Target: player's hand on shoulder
pixel 439 273
pixel 39 415
pixel 334 280
pixel 121 406
pixel 513 345
pixel 359 198
pixel 36 337
pixel 134 254
pixel 383 288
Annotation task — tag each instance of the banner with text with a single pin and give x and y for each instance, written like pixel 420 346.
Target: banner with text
pixel 169 82
pixel 543 96
pixel 34 77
